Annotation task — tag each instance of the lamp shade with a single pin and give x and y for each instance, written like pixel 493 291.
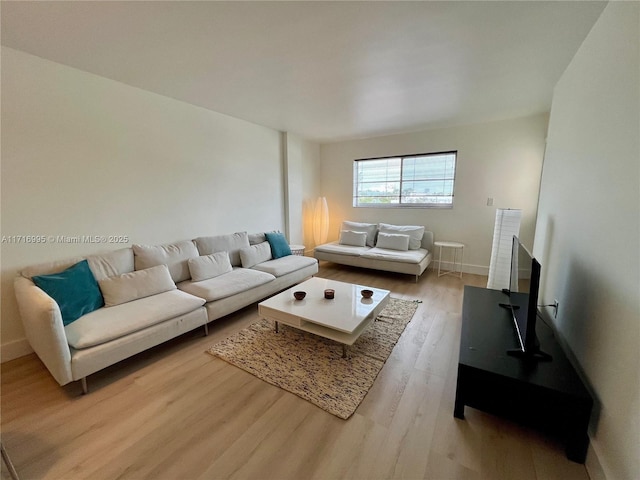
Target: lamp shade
pixel 320 221
pixel 507 225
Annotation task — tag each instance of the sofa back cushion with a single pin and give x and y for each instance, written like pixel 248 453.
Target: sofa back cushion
pixel 112 263
pixel 49 267
pixel 415 233
pixel 134 285
pixel 174 255
pixel 231 243
pixel 75 290
pixel 209 266
pixel 369 228
pixel 255 254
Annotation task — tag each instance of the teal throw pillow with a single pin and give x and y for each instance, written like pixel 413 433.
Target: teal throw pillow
pixel 279 245
pixel 75 290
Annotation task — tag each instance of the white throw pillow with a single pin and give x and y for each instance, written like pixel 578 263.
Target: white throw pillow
pixel 255 254
pixel 209 266
pixel 134 285
pixel 357 239
pixel 393 241
pixel 415 233
pixel 368 228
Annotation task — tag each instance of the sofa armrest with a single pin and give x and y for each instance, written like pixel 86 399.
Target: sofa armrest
pixel 42 323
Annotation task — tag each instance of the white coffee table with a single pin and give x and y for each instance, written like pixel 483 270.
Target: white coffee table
pixel 342 319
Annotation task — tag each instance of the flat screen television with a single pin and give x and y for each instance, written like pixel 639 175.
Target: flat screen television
pixel 524 285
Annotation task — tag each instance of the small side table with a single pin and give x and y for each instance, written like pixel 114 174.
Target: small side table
pixel 297 249
pixel 457 264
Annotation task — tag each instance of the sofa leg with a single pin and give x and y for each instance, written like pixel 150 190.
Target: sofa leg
pixel 206 330
pixel 85 390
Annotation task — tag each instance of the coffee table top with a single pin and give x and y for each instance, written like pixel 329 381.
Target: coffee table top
pixel 344 313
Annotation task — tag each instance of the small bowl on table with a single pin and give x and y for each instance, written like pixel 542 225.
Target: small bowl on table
pixel 366 293
pixel 299 295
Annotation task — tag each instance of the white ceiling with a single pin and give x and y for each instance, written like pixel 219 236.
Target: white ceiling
pixel 324 70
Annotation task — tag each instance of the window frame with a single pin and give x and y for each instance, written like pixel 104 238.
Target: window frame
pixel 401 180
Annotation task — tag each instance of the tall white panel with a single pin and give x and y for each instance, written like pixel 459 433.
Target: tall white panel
pixel 507 225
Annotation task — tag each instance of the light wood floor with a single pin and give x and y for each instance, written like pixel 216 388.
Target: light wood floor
pixel 175 412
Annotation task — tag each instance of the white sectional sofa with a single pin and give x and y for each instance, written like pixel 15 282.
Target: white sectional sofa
pixel 393 248
pixel 146 295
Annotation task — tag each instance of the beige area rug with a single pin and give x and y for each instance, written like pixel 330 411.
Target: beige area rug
pixel 312 367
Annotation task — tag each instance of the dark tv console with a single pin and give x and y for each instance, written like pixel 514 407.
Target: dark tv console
pixel 548 395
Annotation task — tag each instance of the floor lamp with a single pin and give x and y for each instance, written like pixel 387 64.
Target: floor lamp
pixel 507 225
pixel 320 221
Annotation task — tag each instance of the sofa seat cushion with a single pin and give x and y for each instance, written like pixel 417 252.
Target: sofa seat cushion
pixel 283 265
pixel 336 248
pixel 409 256
pixel 237 281
pixel 110 323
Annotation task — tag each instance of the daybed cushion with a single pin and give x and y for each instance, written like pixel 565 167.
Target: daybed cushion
pixel 369 228
pixel 393 241
pixel 336 248
pixel 108 324
pixel 282 266
pixel 231 243
pixel 173 255
pixel 237 281
pixel 112 263
pixel 75 290
pixel 349 237
pixel 209 266
pixel 255 254
pixel 415 233
pixel 410 256
pixel 131 286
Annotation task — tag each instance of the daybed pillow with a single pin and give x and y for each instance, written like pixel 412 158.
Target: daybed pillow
pixel 231 243
pixel 393 241
pixel 173 255
pixel 75 290
pixel 368 228
pixel 134 285
pixel 209 266
pixel 279 245
pixel 357 239
pixel 415 233
pixel 255 254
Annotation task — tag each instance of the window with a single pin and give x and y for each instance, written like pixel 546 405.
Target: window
pixel 424 180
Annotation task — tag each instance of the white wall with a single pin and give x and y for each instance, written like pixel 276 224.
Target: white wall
pixel 587 234
pixel 84 155
pixel 502 160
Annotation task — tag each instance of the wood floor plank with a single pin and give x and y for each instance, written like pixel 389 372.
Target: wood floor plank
pixel 176 412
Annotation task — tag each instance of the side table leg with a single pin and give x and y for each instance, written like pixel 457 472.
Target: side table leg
pixel 344 351
pixel 276 322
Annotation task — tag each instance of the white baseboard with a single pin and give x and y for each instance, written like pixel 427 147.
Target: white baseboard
pixel 16 349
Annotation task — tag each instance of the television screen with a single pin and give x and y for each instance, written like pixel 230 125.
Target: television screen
pixel 523 291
